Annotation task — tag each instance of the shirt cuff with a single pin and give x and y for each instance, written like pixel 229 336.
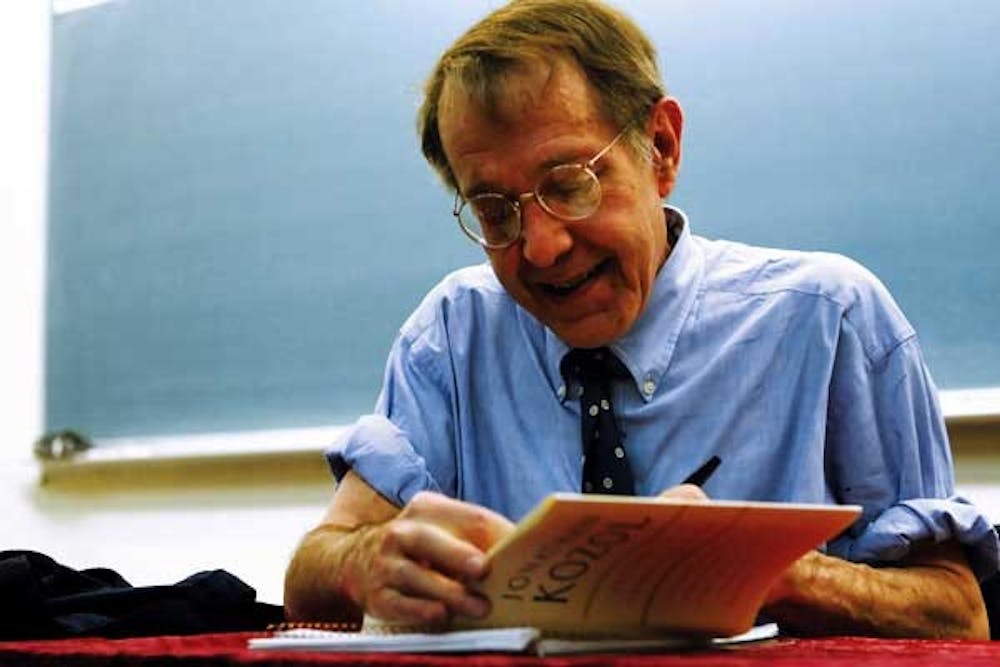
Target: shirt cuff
pixel 379 452
pixel 890 536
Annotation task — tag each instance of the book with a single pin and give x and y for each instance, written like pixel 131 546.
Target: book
pixel 625 566
pixel 596 573
pixel 488 640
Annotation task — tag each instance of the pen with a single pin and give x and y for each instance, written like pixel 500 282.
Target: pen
pixel 701 475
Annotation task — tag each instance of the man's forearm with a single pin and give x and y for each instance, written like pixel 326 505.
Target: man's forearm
pixel 931 594
pixel 316 580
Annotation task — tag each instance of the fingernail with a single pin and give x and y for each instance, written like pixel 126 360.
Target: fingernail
pixel 476 607
pixel 475 565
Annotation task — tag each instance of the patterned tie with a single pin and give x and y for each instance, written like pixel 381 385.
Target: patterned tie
pixel 605 466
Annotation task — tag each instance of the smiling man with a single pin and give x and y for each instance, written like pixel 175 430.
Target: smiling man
pixel 587 274
pixel 549 121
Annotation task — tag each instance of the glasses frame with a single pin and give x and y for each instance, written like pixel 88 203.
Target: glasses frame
pixel 515 202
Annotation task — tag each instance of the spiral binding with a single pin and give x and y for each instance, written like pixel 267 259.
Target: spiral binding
pixel 369 627
pixel 327 626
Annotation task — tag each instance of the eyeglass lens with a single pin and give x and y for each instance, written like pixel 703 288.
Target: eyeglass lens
pixel 491 218
pixel 568 192
pixel 571 192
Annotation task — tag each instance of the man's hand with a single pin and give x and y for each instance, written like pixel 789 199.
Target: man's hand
pixel 684 492
pixel 414 567
pixel 408 565
pixel 930 593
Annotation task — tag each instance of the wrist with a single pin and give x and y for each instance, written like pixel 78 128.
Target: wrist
pixel 793 583
pixel 355 554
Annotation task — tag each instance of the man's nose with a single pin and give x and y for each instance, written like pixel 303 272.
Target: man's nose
pixel 544 237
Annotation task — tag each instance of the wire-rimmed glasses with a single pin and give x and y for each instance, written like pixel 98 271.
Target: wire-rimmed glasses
pixel 566 191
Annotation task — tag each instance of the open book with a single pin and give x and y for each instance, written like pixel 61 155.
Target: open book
pixel 626 566
pixel 597 573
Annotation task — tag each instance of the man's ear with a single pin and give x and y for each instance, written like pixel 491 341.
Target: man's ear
pixel 666 120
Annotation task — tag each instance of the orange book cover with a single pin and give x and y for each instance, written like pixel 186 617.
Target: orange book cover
pixel 593 565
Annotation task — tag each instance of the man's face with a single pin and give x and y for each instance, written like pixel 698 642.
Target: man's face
pixel 587 280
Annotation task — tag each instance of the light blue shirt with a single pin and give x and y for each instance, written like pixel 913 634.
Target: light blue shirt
pixel 797 369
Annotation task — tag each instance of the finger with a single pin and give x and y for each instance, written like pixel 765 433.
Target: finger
pixel 414 579
pixel 435 546
pixel 389 604
pixel 473 523
pixel 685 492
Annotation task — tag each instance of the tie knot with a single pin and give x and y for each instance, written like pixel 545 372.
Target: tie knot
pixel 586 364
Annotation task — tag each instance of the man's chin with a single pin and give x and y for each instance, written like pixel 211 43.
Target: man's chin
pixel 594 331
pixel 579 323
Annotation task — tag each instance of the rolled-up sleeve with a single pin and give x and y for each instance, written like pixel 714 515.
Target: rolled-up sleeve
pixel 889 537
pixel 405 446
pixel 380 453
pixel 887 450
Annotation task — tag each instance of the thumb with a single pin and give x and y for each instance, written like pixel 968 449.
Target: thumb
pixel 685 492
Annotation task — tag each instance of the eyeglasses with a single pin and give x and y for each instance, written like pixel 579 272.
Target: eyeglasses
pixel 566 191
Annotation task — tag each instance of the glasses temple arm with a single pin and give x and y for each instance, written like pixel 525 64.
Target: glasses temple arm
pixel 592 161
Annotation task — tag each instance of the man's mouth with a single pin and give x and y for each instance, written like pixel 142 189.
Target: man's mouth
pixel 567 288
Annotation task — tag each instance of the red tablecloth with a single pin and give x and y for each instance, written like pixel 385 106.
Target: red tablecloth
pixel 230 649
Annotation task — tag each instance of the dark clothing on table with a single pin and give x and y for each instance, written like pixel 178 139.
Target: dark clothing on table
pixel 40 598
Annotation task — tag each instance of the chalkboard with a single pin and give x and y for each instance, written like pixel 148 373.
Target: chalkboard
pixel 240 217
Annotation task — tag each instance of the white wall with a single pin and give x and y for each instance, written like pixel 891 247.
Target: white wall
pixel 24 39
pixel 160 533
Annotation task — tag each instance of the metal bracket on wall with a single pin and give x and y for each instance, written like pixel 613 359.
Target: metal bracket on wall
pixel 61 445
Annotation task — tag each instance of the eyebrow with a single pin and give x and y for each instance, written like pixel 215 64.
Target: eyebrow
pixel 567 157
pixel 485 187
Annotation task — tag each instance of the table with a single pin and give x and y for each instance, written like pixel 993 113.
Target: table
pixel 230 649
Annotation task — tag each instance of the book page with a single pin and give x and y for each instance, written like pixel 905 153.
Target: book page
pixel 547 646
pixel 626 566
pixel 510 640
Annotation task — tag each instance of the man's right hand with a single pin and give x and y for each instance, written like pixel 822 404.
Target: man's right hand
pixel 408 565
pixel 415 567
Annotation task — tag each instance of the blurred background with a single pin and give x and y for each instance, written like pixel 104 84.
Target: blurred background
pixel 240 218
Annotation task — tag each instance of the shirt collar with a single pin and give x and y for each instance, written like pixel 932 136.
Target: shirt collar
pixel 647 348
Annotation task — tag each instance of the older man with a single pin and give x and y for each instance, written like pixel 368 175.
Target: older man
pixel 550 122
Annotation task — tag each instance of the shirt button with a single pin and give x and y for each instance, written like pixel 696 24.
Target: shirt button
pixel 648 387
pixel 619 453
pixel 561 391
pixel 593 410
pixel 607 483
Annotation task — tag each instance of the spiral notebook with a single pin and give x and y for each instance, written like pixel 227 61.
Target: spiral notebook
pixel 489 640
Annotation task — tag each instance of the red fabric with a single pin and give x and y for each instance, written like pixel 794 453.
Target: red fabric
pixel 230 649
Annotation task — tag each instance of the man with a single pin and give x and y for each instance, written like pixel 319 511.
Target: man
pixel 550 122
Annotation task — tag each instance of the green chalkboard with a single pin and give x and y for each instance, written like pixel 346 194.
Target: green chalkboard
pixel 240 217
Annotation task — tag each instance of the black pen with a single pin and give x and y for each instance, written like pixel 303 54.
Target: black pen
pixel 701 475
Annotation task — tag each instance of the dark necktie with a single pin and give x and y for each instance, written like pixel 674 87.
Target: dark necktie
pixel 605 466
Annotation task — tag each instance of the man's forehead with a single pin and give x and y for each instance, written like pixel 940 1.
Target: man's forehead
pixel 551 84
